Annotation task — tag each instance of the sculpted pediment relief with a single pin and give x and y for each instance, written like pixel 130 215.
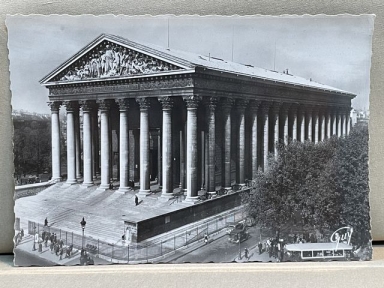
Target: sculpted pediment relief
pixel 109 59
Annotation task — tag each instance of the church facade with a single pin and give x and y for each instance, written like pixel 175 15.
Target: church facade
pixel 184 120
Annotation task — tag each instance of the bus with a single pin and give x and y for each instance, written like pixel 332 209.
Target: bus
pixel 318 251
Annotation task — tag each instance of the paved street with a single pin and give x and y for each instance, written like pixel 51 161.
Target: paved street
pixel 220 250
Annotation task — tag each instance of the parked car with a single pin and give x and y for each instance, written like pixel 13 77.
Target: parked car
pixel 238 235
pixel 234 225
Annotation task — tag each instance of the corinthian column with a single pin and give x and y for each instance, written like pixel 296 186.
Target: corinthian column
pixel 315 115
pixel 124 145
pixel 254 106
pixel 347 120
pixel 104 106
pixel 87 142
pixel 334 121
pixel 71 107
pixel 167 104
pixel 301 122
pixel 241 105
pixel 78 144
pixel 284 121
pixel 226 105
pixel 339 125
pixel 55 126
pixel 328 123
pixel 293 114
pixel 308 119
pixel 265 124
pixel 192 103
pixel 322 124
pixel 275 110
pixel 144 147
pixel 212 102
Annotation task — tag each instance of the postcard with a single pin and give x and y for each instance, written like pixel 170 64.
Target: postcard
pixel 174 139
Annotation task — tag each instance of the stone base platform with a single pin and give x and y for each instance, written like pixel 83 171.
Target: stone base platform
pixel 106 212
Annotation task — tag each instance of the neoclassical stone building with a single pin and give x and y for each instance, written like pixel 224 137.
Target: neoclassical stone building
pixel 185 120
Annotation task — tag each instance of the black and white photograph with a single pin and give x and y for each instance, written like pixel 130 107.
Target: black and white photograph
pixel 189 139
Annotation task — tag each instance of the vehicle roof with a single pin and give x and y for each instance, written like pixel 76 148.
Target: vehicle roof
pixel 317 246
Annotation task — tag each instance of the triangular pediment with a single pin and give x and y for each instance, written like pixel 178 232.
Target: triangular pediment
pixel 114 57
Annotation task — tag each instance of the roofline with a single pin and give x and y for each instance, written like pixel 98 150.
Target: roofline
pixel 292 84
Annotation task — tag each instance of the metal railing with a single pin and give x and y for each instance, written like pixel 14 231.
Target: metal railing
pixel 140 252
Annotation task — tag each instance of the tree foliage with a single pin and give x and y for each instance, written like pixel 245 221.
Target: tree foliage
pixel 320 186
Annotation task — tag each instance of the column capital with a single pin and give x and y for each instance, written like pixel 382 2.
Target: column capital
pixel 347 110
pixel 87 105
pixel 293 107
pixel 254 105
pixel 104 104
pixel 71 106
pixel 316 110
pixel 265 106
pixel 212 103
pixel 226 103
pixel 166 102
pixel 241 104
pixel 123 104
pixel 192 102
pixel 55 106
pixel 144 103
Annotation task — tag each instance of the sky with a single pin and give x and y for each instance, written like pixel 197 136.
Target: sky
pixel 332 50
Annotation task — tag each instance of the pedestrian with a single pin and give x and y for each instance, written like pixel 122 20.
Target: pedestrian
pixel 260 248
pixel 136 200
pixel 46 222
pixel 206 238
pixel 246 253
pixel 21 233
pixel 55 238
pixel 61 253
pixel 46 240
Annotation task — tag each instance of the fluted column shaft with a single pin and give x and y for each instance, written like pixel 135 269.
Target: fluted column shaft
pixel 339 125
pixel 328 124
pixel 265 124
pixel 295 130
pixel 192 103
pixel 241 105
pixel 275 110
pixel 87 143
pixel 71 142
pixel 334 123
pixel 95 146
pixel 104 107
pixel 144 146
pixel 55 128
pixel 322 125
pixel 226 106
pixel 301 115
pixel 254 108
pixel 78 144
pixel 167 105
pixel 315 125
pixel 123 145
pixel 309 123
pixel 347 122
pixel 211 144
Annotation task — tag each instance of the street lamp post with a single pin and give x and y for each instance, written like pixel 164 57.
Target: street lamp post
pixel 83 223
pixel 34 238
pixel 238 237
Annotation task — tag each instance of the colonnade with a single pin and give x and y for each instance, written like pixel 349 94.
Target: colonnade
pixel 265 122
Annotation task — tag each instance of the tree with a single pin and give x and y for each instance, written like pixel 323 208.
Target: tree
pixel 321 186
